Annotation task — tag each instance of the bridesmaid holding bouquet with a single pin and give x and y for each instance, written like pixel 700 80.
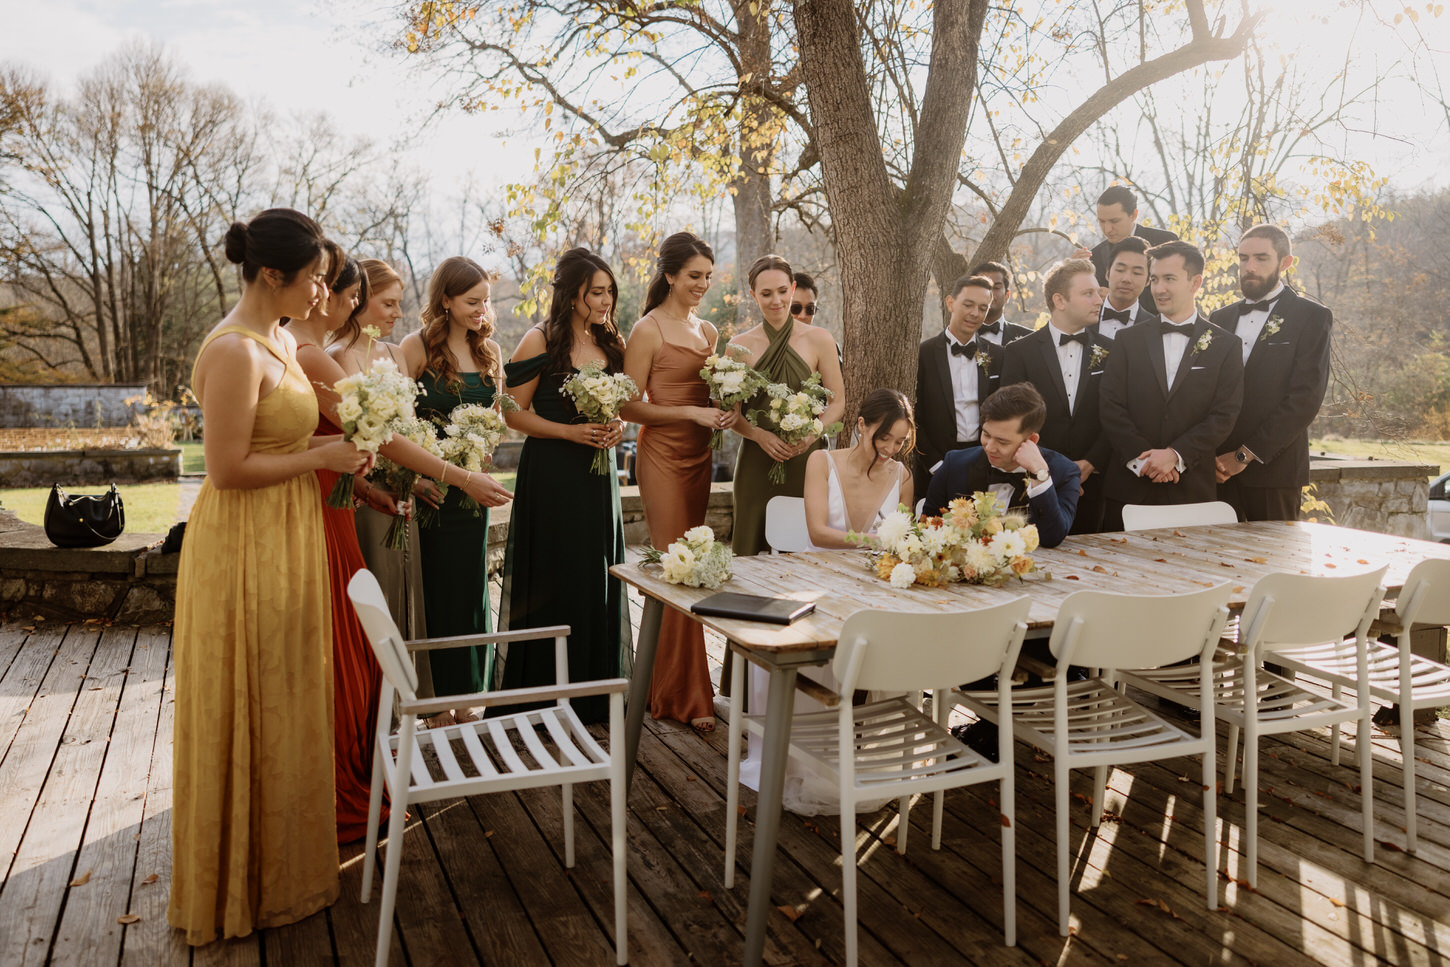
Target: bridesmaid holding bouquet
pixel 666 350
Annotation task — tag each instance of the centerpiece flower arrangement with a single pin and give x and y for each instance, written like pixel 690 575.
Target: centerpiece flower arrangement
pixel 975 541
pixel 696 560
pixel 731 383
pixel 598 396
pixel 369 403
pixel 794 416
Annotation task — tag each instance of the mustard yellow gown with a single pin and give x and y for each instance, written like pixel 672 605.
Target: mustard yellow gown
pixel 253 835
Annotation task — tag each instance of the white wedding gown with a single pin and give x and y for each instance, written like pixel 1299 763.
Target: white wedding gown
pixel 807 793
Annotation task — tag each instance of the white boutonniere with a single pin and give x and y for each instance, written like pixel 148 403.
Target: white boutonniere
pixel 984 360
pixel 1271 328
pixel 1203 341
pixel 1095 360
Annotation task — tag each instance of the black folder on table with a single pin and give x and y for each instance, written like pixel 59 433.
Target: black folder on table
pixel 753 607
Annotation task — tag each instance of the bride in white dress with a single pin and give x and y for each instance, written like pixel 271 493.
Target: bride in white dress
pixel 847 491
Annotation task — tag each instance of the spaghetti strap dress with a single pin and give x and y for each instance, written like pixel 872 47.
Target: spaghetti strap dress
pixel 252 815
pixel 565 533
pixel 752 488
pixel 672 463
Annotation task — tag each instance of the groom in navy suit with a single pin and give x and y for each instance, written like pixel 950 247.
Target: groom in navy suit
pixel 1009 463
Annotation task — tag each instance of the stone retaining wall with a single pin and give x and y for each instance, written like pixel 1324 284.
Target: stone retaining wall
pixel 1375 495
pixel 86 468
pixel 67 404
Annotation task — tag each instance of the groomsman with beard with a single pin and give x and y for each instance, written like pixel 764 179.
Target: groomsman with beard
pixel 1118 219
pixel 1127 280
pixel 1171 393
pixel 1064 360
pixel 1285 348
pixel 955 372
pixel 997 329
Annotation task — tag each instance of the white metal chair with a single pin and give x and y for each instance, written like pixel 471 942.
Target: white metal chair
pixel 1140 517
pixel 785 525
pixel 1283 611
pixel 502 754
pixel 891 748
pixel 1395 674
pixel 1091 723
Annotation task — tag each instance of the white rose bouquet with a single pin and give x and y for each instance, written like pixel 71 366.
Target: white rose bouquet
pixel 731 382
pixel 472 434
pixel 794 416
pixel 696 560
pixel 598 396
pixel 370 402
pixel 974 541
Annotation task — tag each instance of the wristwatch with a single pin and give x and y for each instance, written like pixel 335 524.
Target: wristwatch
pixel 1042 476
pixel 1241 455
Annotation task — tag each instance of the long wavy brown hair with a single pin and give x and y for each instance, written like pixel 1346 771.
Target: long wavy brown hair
pixel 574 273
pixel 453 277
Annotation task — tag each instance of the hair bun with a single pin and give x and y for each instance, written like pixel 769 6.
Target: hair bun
pixel 235 243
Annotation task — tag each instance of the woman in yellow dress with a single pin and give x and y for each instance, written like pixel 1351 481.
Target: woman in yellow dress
pixel 253 835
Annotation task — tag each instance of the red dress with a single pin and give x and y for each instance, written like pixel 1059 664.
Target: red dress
pixel 356 677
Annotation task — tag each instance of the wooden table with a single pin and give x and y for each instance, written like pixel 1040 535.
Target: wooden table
pixel 1166 561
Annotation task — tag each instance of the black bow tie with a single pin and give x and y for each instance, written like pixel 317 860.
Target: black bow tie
pixel 993 327
pixel 1084 337
pixel 1166 327
pixel 1246 307
pixel 968 350
pixel 1122 315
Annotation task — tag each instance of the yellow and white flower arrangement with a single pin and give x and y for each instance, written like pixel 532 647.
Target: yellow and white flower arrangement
pixel 974 541
pixel 368 404
pixel 731 382
pixel 696 560
pixel 794 416
pixel 598 396
pixel 471 435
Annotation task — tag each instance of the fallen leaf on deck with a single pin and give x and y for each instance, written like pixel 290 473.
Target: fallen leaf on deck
pixel 704 895
pixel 487 833
pixel 1224 564
pixel 1081 552
pixel 1179 534
pixel 791 913
pixel 1160 560
pixel 150 880
pixel 1257 560
pixel 1118 540
pixel 1072 577
pixel 81 880
pixel 1336 901
pixel 1005 821
pixel 1098 568
pixel 1361 561
pixel 128 918
pixel 1327 564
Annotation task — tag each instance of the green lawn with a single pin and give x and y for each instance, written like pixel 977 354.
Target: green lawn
pixel 150 508
pixel 193 460
pixel 1431 452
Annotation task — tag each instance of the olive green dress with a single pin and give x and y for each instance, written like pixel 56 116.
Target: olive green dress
pixel 455 556
pixel 752 489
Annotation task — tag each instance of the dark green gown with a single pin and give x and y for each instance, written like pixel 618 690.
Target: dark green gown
pixel 455 557
pixel 752 489
pixel 565 532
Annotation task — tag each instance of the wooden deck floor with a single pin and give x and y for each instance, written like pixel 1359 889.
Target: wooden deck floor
pixel 85 795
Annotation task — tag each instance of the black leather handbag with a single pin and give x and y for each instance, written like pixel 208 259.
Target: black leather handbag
pixel 84 520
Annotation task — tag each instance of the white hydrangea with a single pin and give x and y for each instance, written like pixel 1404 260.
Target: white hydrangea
pixel 903 575
pixel 893 527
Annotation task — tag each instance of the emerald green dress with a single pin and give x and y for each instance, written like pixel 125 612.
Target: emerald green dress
pixel 565 532
pixel 752 489
pixel 455 556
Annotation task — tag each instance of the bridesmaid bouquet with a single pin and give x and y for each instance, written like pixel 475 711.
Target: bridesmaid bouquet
pixel 731 382
pixel 598 396
pixel 400 479
pixel 370 402
pixel 696 560
pixel 794 416
pixel 975 541
pixel 472 435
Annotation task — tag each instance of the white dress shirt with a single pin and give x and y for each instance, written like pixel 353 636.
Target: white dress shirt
pixel 1251 324
pixel 1111 327
pixel 993 337
pixel 1174 346
pixel 1069 361
pixel 964 390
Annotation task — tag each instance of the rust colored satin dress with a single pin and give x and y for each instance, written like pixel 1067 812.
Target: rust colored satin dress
pixel 672 463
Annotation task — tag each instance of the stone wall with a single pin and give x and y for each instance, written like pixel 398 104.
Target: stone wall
pixel 1375 495
pixel 86 468
pixel 67 404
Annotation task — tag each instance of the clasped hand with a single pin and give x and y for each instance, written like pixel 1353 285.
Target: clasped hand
pixel 595 435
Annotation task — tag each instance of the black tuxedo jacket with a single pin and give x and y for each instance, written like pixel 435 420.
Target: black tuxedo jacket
pixel 1078 434
pixel 1052 510
pixel 1103 251
pixel 1284 383
pixel 936 413
pixel 1193 416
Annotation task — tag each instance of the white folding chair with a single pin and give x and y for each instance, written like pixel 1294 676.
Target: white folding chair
pixel 503 754
pixel 785 525
pixel 891 748
pixel 1091 723
pixel 1140 517
pixel 1395 674
pixel 1283 611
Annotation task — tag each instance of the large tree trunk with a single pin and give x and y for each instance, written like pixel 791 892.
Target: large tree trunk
pixel 754 194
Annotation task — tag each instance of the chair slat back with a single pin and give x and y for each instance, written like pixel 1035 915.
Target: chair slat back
pixel 1306 609
pixel 1426 595
pixel 785 525
pixel 1138 517
pixel 383 634
pixel 1104 629
pixel 905 651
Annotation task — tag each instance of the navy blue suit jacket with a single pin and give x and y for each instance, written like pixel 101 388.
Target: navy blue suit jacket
pixel 1052 510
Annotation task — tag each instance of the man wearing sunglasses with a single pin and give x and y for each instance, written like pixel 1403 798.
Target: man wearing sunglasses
pixel 803 307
